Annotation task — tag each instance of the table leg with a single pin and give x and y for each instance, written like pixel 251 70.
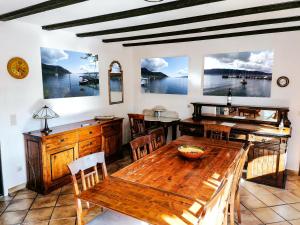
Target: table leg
pixel 174 131
pixel 166 128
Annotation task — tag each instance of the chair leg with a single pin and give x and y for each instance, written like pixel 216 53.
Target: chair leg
pixel 231 213
pixel 238 206
pixel 79 212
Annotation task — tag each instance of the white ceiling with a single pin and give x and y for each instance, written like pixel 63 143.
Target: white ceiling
pixel 100 7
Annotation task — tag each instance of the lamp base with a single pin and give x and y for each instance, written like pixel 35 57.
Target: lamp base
pixel 46 131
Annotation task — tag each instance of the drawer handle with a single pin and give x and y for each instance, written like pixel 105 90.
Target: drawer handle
pixel 91 143
pixel 62 140
pixel 91 132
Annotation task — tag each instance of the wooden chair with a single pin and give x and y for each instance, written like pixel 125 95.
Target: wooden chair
pixel 88 180
pixel 140 147
pixel 216 131
pixel 137 125
pixel 235 190
pixel 216 210
pixel 157 138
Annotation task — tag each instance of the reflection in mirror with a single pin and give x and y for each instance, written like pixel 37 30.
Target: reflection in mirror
pixel 242 113
pixel 115 82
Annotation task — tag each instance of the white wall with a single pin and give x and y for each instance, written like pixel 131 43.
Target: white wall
pixel 286 62
pixel 23 97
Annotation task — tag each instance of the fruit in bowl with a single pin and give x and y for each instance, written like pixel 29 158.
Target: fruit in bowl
pixel 191 152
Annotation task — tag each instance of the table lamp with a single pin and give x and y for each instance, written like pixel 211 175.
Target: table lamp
pixel 45 113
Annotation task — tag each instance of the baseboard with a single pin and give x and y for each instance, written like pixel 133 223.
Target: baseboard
pixel 292 172
pixel 16 188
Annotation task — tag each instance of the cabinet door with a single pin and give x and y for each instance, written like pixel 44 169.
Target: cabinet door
pixel 58 162
pixel 111 144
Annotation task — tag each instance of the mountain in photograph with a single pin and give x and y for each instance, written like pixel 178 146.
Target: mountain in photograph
pixel 152 75
pixel 53 70
pixel 235 72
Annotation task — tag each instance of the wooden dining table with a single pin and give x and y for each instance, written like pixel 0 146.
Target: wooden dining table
pixel 163 188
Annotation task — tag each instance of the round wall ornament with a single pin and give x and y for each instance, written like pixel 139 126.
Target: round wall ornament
pixel 283 81
pixel 18 68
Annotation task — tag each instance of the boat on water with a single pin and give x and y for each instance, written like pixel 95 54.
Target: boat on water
pixel 243 81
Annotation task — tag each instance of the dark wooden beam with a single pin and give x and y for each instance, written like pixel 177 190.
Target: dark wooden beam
pixel 195 19
pixel 38 8
pixel 130 13
pixel 206 29
pixel 216 36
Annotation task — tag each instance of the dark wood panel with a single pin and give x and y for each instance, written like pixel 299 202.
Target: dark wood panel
pixel 216 36
pixel 206 29
pixel 129 13
pixel 201 18
pixel 38 8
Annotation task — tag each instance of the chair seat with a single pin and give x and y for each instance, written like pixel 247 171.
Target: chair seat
pixel 110 217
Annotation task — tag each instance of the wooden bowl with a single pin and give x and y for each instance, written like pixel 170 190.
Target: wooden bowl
pixel 191 152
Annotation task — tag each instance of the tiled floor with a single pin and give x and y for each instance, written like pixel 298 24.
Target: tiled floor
pixel 260 204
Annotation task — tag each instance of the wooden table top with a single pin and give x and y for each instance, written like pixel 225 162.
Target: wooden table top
pixel 164 188
pixel 161 119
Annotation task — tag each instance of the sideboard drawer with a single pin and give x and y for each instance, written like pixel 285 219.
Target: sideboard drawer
pixel 61 140
pixel 89 132
pixel 89 146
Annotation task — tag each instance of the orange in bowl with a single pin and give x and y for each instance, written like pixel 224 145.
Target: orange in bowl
pixel 191 152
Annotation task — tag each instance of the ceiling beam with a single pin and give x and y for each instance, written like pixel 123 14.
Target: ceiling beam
pixel 130 13
pixel 206 29
pixel 201 18
pixel 38 8
pixel 216 36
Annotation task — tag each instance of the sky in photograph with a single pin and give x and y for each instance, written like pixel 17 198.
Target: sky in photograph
pixel 251 61
pixel 70 60
pixel 171 66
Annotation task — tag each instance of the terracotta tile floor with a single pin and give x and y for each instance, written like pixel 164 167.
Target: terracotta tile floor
pixel 260 204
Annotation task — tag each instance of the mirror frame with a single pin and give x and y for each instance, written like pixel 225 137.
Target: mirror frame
pixel 111 74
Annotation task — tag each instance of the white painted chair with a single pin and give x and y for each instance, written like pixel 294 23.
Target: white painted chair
pixel 107 217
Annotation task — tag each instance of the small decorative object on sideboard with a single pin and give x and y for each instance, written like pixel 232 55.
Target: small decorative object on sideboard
pixel 45 113
pixel 283 81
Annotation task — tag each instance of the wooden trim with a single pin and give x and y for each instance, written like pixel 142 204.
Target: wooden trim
pixel 206 29
pixel 216 36
pixel 130 13
pixel 201 18
pixel 38 8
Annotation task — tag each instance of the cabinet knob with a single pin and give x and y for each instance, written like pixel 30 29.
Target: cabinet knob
pixel 91 132
pixel 62 140
pixel 91 143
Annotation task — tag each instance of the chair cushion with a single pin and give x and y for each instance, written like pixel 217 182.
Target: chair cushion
pixel 110 217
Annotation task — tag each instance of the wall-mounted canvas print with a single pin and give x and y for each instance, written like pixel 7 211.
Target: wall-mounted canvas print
pixel 248 74
pixel 167 75
pixel 69 73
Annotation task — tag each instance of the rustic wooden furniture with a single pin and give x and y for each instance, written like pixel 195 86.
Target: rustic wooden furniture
pixel 267 157
pixel 165 122
pixel 115 83
pixel 47 156
pixel 87 167
pixel 172 188
pixel 216 131
pixel 140 147
pixel 157 138
pixel 137 125
pixel 235 203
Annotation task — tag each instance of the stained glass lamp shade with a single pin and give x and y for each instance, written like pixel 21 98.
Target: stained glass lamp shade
pixel 45 113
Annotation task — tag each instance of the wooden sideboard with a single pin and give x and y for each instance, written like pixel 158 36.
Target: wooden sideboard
pixel 267 156
pixel 47 156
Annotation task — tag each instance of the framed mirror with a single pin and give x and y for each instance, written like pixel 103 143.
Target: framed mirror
pixel 115 83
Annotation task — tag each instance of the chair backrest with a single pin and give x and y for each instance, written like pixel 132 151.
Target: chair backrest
pixel 157 138
pixel 239 170
pixel 81 165
pixel 217 131
pixel 215 211
pixel 137 125
pixel 140 147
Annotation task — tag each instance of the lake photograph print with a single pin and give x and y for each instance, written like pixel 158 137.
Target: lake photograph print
pixel 247 74
pixel 168 75
pixel 69 74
